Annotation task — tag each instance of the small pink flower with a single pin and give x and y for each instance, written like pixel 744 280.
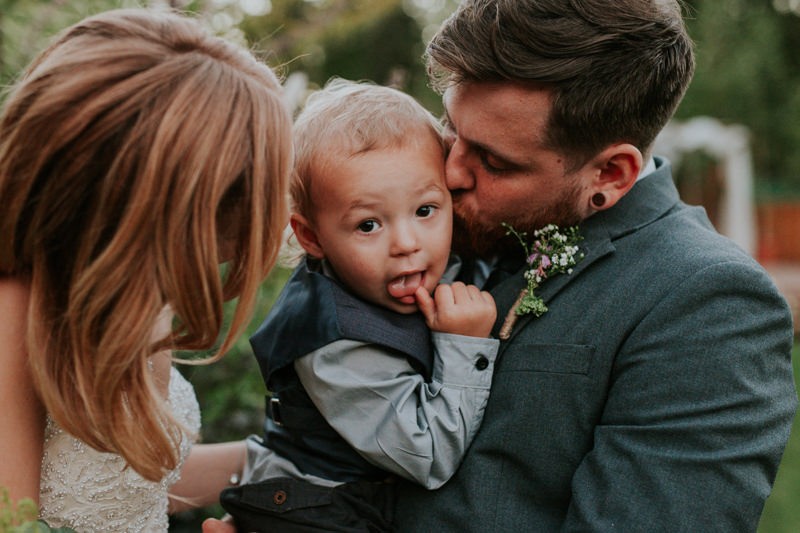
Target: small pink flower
pixel 546 261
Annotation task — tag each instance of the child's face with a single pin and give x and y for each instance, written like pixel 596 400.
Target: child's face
pixel 384 222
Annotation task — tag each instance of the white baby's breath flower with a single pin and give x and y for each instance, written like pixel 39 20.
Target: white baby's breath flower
pixel 551 252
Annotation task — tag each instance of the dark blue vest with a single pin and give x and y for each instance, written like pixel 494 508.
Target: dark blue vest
pixel 311 312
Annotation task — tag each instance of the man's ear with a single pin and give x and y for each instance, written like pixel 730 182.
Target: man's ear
pixel 306 236
pixel 618 167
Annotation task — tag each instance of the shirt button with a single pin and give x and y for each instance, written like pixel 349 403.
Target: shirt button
pixel 482 363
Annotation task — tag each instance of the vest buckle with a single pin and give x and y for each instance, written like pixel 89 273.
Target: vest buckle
pixel 275 411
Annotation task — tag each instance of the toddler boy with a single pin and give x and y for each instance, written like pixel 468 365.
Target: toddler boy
pixel 375 368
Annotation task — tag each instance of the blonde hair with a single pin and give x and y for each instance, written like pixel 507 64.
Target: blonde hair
pixel 134 151
pixel 346 118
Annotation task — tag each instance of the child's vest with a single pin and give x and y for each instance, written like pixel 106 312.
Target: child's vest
pixel 311 312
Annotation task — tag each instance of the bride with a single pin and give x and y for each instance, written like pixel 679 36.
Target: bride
pixel 136 153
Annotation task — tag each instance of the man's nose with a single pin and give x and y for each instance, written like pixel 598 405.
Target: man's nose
pixel 458 176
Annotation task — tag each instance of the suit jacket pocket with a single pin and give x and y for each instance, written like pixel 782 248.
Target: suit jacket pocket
pixel 548 358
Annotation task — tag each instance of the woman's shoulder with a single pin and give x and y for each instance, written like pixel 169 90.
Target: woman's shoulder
pixel 14 296
pixel 14 292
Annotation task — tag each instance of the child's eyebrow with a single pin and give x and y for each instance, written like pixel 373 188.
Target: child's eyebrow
pixel 361 204
pixel 433 187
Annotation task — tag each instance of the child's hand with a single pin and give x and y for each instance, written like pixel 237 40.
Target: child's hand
pixel 458 308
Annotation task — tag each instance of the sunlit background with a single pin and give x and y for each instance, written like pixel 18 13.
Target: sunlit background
pixel 736 137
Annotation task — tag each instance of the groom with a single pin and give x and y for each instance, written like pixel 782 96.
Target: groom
pixel 656 393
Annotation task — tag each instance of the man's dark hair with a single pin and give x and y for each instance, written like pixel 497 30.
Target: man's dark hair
pixel 617 68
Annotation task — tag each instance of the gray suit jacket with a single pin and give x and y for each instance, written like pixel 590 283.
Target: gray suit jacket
pixel 656 394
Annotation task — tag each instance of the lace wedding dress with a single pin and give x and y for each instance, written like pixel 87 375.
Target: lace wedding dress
pixel 91 491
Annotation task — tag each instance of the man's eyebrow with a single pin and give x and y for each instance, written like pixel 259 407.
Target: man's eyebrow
pixel 483 147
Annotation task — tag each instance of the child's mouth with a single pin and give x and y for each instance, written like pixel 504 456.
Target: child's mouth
pixel 404 287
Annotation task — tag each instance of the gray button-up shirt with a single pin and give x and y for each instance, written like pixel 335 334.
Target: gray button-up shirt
pixel 388 413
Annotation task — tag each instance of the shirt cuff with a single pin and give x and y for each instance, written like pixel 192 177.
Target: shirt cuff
pixel 462 361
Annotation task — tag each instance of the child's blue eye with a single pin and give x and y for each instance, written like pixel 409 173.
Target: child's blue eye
pixel 425 211
pixel 368 226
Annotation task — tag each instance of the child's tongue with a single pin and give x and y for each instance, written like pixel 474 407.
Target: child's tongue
pixel 404 287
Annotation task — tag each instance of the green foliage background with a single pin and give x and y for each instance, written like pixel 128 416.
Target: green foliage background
pixel 782 514
pixel 231 394
pixel 748 73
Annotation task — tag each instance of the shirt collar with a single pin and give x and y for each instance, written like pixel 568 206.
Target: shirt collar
pixel 648 169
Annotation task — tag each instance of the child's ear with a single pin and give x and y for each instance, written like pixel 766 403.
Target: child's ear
pixel 306 236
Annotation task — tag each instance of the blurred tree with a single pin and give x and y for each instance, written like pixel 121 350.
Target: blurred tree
pixel 748 72
pixel 27 26
pixel 376 40
pixel 748 67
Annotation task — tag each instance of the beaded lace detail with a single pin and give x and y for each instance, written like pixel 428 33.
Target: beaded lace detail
pixel 91 491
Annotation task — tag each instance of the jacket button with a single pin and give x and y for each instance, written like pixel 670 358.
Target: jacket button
pixel 279 497
pixel 482 363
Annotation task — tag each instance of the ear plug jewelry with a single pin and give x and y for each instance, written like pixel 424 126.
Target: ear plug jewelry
pixel 598 199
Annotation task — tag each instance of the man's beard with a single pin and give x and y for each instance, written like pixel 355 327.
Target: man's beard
pixel 473 237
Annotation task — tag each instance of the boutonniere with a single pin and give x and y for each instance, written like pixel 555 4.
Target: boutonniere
pixel 552 251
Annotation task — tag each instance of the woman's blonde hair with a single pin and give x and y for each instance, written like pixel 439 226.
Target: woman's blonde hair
pixel 135 153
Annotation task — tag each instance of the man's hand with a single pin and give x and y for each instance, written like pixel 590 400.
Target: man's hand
pixel 458 308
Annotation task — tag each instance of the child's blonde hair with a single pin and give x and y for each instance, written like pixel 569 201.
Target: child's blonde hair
pixel 135 152
pixel 347 118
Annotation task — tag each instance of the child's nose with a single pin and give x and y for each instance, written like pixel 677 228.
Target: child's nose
pixel 405 240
